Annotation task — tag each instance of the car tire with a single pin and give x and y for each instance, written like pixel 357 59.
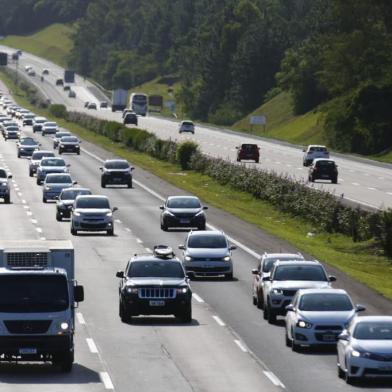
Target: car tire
pixel 254 300
pixel 288 341
pixel 38 182
pixel 335 180
pixel 264 311
pixel 31 174
pixel 59 218
pixel 74 231
pixel 103 184
pixel 238 160
pixel 295 347
pixel 271 316
pixel 78 153
pixel 7 199
pixel 44 199
pixel 122 313
pixel 164 227
pixel 18 155
pixel 201 227
pixel 110 232
pixel 43 133
pixel 257 161
pixel 229 276
pixel 186 315
pixel 66 362
pixel 341 373
pixel 259 302
pixel 60 151
pixel 129 185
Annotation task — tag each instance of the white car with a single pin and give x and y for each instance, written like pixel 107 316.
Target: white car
pixel 316 317
pixel 365 349
pixel 314 151
pixel 186 126
pixel 49 127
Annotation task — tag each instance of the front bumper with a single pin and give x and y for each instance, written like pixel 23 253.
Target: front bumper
pixel 85 224
pixel 188 221
pixel 65 211
pixel 69 148
pixel 117 179
pixel 4 191
pixel 316 336
pixel 208 268
pixel 364 367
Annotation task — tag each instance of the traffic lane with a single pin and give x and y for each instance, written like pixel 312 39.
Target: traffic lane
pixel 95 263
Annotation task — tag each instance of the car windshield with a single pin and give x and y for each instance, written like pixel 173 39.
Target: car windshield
pixel 52 162
pixel 300 272
pixel 155 269
pixel 33 293
pixel 72 193
pixel 39 155
pixel 214 241
pixel 40 120
pixel 28 142
pixel 58 179
pixel 50 124
pixel 270 261
pixel 183 202
pixel 325 302
pixel 98 202
pixel 373 331
pixel 117 165
pixel 3 173
pixel 61 134
pixel 69 139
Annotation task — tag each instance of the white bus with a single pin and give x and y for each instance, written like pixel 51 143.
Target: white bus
pixel 138 103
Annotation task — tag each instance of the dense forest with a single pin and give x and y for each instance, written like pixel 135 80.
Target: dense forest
pixel 232 55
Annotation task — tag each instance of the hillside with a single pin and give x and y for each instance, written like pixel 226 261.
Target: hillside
pixel 53 42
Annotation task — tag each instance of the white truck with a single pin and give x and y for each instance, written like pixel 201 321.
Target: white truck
pixel 119 99
pixel 38 296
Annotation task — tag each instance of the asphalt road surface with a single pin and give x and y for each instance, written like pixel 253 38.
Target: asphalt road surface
pixel 228 346
pixel 360 181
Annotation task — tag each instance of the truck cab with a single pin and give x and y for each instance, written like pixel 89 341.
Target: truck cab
pixel 38 297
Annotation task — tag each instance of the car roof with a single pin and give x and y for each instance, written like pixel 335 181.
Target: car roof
pixel 115 160
pixel 46 152
pixel 274 255
pixel 327 290
pixel 57 174
pixel 76 188
pixel 93 197
pixel 372 319
pixel 181 196
pixel 297 262
pixel 152 257
pixel 206 232
pixel 316 145
pixel 323 159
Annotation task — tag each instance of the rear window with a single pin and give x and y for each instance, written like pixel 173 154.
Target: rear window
pixel 117 165
pixel 318 149
pixel 39 155
pixel 214 241
pixel 61 134
pixel 249 147
pixel 270 261
pixel 187 123
pixel 325 163
pixel 69 139
pixel 71 194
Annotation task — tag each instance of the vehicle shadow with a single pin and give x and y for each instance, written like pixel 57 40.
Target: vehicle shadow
pixel 373 384
pixel 38 373
pixel 94 234
pixel 161 322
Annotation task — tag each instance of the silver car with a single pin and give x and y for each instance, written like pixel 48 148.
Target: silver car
pixel 186 126
pixel 287 277
pixel 365 349
pixel 314 151
pixel 53 185
pixel 49 127
pixel 5 189
pixel 36 159
pixel 317 316
pixel 92 213
pixel 50 165
pixel 207 253
pixel 58 136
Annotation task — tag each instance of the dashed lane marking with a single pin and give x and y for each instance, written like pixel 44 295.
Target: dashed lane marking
pixel 139 241
pixel 372 189
pixel 118 221
pixel 38 229
pixel 91 345
pixel 355 183
pixel 24 201
pixel 275 380
pixel 106 380
pixel 241 345
pixel 128 229
pixel 197 298
pixel 219 321
pixel 80 318
pixel 148 250
pixel 34 221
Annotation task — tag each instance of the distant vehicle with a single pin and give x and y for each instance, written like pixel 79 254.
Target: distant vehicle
pixel 66 200
pixel 69 144
pixel 27 119
pixel 103 105
pixel 59 82
pixel 15 56
pixel 207 253
pixel 66 87
pixel 69 76
pixel 314 151
pixel 138 103
pixel 36 159
pixel 50 165
pixel 365 349
pixel 3 58
pixel 38 122
pixel 49 128
pixel 186 126
pixel 183 211
pixel 31 72
pixel 12 132
pixel 72 94
pixel 92 105
pixel 130 118
pixel 26 146
pixel 28 68
pixel 86 104
pixel 154 284
pixel 58 135
pixel 119 99
pixel 155 103
pixel 248 152
pixel 126 111
pixel 85 207
pixel 5 188
pixel 45 71
pixel 116 172
pixel 54 183
pixel 323 169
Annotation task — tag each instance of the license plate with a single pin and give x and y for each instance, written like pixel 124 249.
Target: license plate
pixel 184 220
pixel 329 338
pixel 28 350
pixel 157 303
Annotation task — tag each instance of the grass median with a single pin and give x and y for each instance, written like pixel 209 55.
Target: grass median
pixel 358 260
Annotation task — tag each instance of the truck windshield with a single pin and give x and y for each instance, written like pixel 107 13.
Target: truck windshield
pixel 33 293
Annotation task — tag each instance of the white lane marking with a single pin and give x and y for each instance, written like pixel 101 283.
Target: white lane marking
pixel 34 221
pixel 288 165
pixel 300 168
pixel 148 250
pixel 219 321
pixel 277 162
pixel 275 380
pixel 372 189
pixel 241 345
pixel 355 183
pixel 105 378
pixel 197 298
pixel 361 202
pixel 139 241
pixel 29 213
pixel 80 318
pixel 42 238
pixel 26 207
pixel 389 193
pixel 117 221
pixel 341 180
pixel 38 229
pixel 91 345
pixel 24 201
pixel 128 229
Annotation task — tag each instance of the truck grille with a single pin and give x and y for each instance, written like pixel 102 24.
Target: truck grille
pixel 27 326
pixel 27 259
pixel 156 292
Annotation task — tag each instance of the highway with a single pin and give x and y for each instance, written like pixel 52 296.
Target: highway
pixel 361 181
pixel 228 346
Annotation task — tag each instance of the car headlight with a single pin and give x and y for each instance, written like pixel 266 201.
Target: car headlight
pixel 277 291
pixel 355 353
pixel 201 212
pixel 76 213
pixel 64 326
pixel 227 258
pixel 61 145
pixel 132 290
pixel 47 188
pixel 188 258
pixel 167 212
pixel 109 214
pixel 21 149
pixel 182 290
pixel 303 324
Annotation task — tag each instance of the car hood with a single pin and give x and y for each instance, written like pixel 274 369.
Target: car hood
pixel 58 185
pixel 30 146
pixel 207 252
pixel 93 211
pixel 34 162
pixel 374 346
pixel 154 282
pixel 3 181
pixel 66 202
pixel 184 210
pixel 299 284
pixel 328 318
pixel 53 168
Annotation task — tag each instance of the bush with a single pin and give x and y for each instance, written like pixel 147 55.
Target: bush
pixel 184 153
pixel 59 111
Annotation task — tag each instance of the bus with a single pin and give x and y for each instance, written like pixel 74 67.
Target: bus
pixel 138 103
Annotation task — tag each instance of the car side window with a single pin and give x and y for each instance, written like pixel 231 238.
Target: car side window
pixel 259 266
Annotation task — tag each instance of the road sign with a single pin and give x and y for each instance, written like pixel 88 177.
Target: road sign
pixel 258 120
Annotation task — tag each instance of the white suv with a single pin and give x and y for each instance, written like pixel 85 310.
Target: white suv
pixel 314 151
pixel 186 126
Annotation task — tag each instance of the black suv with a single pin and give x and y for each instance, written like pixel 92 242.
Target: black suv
pixel 323 169
pixel 130 118
pixel 116 172
pixel 183 211
pixel 155 284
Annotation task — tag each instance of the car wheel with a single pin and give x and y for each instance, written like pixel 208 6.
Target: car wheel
pixel 64 361
pixel 288 341
pixel 43 133
pixel 257 160
pixel 31 173
pixel 110 232
pixel 59 218
pixel 103 184
pixel 186 316
pixel 78 153
pixel 38 182
pixel 229 276
pixel 129 184
pixel 341 373
pixel 60 152
pixel 18 155
pixel 259 301
pixel 164 227
pixel 335 180
pixel 73 231
pixel 271 316
pixel 44 199
pixel 202 227
pixel 124 316
pixel 295 347
pixel 7 199
pixel 254 300
pixel 265 311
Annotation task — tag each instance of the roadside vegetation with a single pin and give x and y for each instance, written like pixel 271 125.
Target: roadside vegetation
pixel 354 252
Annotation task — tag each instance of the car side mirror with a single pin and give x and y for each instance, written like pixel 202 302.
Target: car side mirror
pixel 120 274
pixel 181 247
pixel 360 308
pixel 101 168
pixel 114 209
pixel 237 147
pixel 290 308
pixel 255 271
pixel 74 182
pixel 10 176
pixel 265 278
pixel 132 168
pixel 68 165
pixel 331 278
pixel 343 336
pixel 205 208
pixel 56 197
pixel 161 207
pixel 232 247
pixel 80 141
pixel 79 294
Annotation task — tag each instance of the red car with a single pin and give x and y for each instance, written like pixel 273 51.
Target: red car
pixel 248 152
